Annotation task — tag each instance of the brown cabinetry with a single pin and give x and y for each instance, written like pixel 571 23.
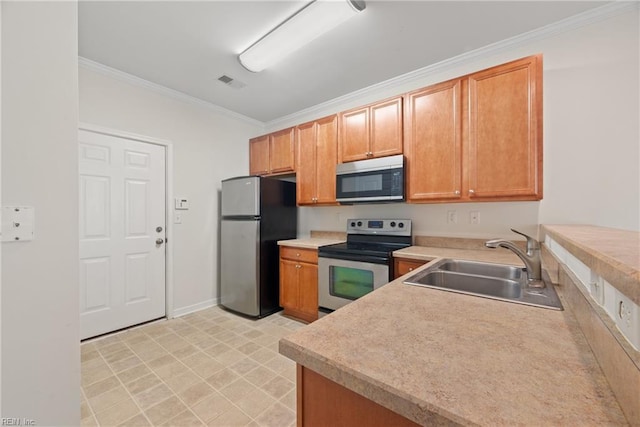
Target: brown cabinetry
pixel 317 146
pixel 272 154
pixel 402 266
pixel 477 138
pixel 322 402
pixel 299 282
pixel 371 131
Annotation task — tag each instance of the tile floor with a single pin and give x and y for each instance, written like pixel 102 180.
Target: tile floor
pixel 207 368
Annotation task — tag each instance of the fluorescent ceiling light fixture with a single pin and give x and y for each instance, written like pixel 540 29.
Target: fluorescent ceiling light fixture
pixel 308 23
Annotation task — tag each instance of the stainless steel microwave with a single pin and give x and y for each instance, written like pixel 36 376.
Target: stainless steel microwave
pixel 371 180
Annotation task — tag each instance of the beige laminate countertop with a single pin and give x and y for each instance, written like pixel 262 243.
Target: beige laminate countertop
pixel 442 358
pixel 309 243
pixel 614 254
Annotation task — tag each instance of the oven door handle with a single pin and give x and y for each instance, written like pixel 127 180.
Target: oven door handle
pixel 361 258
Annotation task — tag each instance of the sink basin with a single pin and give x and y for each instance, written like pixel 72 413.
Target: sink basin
pixel 482 269
pixel 495 281
pixel 490 286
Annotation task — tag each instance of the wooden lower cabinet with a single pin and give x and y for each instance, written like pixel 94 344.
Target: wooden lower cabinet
pixel 402 266
pixel 322 402
pixel 299 282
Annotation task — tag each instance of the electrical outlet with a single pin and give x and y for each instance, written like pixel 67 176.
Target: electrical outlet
pixel 596 287
pixel 627 320
pixel 452 217
pixel 474 217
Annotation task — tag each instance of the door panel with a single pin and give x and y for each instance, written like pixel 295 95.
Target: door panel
pixel 326 159
pixel 386 128
pixel 434 142
pixel 505 141
pixel 306 163
pixel 354 135
pixel 122 201
pixel 239 266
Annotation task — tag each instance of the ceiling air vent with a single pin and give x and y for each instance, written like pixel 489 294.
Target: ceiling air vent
pixel 229 81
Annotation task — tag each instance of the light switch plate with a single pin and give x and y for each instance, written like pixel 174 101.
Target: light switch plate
pixel 182 203
pixel 17 223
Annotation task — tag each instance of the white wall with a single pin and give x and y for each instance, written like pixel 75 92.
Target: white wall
pixel 40 325
pixel 591 136
pixel 208 147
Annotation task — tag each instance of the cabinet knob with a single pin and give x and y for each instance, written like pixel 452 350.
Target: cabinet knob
pixel 298 266
pixel 457 192
pixel 298 254
pixel 410 268
pixel 472 191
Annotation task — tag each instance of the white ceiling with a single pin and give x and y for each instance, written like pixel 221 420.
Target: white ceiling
pixel 186 46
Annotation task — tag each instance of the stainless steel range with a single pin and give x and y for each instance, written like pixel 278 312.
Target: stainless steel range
pixel 347 271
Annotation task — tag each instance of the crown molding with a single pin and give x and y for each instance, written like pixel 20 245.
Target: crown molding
pixel 583 19
pixel 163 90
pixel 598 14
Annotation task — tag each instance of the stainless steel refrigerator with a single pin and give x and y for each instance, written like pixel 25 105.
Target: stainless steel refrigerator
pixel 256 213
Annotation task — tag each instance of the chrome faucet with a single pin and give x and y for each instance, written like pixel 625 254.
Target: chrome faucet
pixel 531 258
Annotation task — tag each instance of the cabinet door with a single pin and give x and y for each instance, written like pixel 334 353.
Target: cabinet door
pixel 505 131
pixel 326 160
pixel 282 146
pixel 354 135
pixel 308 290
pixel 386 128
pixel 306 164
pixel 433 142
pixel 288 284
pixel 259 155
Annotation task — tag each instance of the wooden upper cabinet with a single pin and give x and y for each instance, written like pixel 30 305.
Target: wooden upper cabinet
pixel 354 135
pixel 433 142
pixel 282 151
pixel 272 154
pixel 316 163
pixel 306 172
pixel 386 128
pixel 371 131
pixel 505 131
pixel 259 155
pixel 326 159
pixel 478 137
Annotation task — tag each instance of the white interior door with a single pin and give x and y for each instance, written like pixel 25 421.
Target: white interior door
pixel 122 232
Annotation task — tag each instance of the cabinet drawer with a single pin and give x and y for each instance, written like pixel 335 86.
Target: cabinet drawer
pixel 404 266
pixel 299 254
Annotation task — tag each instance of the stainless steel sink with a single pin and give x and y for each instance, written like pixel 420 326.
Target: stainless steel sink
pixel 488 280
pixel 482 269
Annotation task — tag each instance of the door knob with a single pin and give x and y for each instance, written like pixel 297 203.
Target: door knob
pixel 158 229
pixel 159 241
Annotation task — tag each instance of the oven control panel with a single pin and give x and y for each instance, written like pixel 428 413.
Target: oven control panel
pixel 396 227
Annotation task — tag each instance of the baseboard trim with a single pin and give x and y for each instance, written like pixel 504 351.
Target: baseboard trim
pixel 183 311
